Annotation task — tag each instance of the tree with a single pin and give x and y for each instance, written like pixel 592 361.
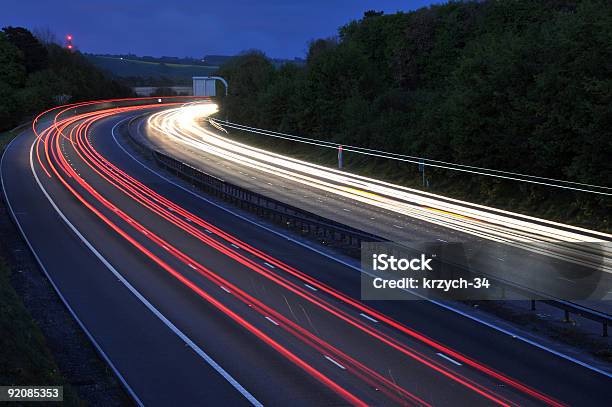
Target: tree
pixel 372 13
pixel 46 36
pixel 521 86
pixel 34 53
pixel 12 77
pixel 32 80
pixel 12 71
pixel 320 46
pixel 249 75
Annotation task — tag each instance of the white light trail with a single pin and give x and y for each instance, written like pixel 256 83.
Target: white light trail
pixel 557 240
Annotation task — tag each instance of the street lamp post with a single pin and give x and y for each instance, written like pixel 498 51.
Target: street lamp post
pixel 223 81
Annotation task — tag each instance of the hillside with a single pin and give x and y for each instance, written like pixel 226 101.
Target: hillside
pixel 166 71
pixel 126 68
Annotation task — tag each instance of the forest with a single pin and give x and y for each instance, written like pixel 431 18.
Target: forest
pixel 36 75
pixel 522 86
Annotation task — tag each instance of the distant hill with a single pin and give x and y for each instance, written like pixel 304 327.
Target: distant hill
pixel 136 71
pixel 165 71
pixel 217 59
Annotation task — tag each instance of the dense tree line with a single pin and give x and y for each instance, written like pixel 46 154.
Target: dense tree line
pixel 35 76
pixel 523 86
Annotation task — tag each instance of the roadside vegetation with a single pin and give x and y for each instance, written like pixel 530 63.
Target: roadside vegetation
pixel 35 76
pixel 24 357
pixel 522 86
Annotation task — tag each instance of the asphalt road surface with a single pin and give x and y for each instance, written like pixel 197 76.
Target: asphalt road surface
pixel 537 255
pixel 192 305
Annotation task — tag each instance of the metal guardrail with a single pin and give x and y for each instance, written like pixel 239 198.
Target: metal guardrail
pixel 576 309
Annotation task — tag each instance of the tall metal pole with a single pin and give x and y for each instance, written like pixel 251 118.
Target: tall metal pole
pixel 218 78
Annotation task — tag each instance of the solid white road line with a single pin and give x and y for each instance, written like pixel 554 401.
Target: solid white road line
pixel 442 355
pixel 366 316
pixel 334 362
pixel 357 268
pixel 91 338
pixel 142 299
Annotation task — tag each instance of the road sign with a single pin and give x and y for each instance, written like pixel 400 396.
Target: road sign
pixel 206 85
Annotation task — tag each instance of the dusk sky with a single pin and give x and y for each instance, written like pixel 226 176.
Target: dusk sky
pixel 193 27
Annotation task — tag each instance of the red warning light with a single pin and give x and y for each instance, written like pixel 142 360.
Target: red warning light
pixel 69 42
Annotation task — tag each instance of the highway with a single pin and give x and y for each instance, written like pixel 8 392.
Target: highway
pixel 192 305
pixel 504 244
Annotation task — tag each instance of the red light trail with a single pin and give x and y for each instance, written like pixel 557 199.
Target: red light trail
pixel 78 127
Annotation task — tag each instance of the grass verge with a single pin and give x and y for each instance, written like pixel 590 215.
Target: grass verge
pixel 25 358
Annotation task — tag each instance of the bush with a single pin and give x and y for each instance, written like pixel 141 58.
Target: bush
pixel 32 75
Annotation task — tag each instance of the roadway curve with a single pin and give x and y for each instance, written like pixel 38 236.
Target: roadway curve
pixel 190 305
pixel 539 255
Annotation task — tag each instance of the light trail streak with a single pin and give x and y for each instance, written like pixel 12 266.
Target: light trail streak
pixel 346 299
pixel 159 209
pixel 552 239
pixel 57 155
pixel 149 199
